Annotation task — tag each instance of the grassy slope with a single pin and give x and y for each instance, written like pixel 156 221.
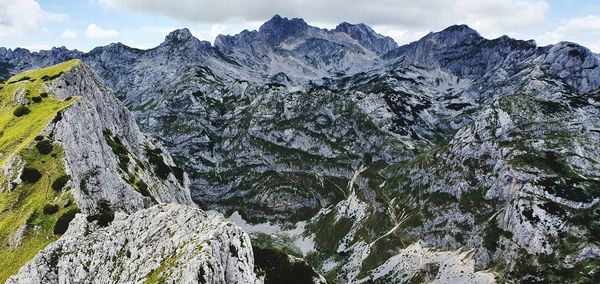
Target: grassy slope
pixel 24 204
pixel 19 132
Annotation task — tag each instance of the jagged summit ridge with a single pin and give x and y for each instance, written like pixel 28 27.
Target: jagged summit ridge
pixel 185 37
pixel 179 34
pixel 456 34
pixel 278 29
pixel 306 53
pixel 367 37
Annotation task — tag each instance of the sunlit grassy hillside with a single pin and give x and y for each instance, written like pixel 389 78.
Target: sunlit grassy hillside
pixel 37 210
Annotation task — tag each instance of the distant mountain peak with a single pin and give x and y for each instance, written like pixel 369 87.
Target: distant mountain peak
pixel 276 18
pixel 278 29
pixel 344 26
pixel 277 22
pixel 455 34
pixel 367 37
pixel 460 28
pixel 179 35
pixel 184 41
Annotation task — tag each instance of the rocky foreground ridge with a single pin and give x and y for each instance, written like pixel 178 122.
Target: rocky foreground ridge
pixel 166 243
pixel 86 198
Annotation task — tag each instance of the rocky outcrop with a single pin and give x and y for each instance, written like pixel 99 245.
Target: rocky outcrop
pixel 314 52
pixel 20 59
pixel 107 156
pixel 12 172
pixel 367 37
pixel 415 263
pixel 163 244
pixel 115 174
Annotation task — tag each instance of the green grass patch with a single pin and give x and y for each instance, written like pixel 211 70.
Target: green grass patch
pixel 34 205
pixel 329 232
pixel 492 236
pixel 159 275
pixel 381 251
pixel 439 198
pixel 281 243
pixel 19 132
pixel 118 149
pixel 161 169
pixel 278 267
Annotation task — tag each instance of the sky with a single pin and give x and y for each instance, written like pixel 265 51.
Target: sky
pixel 85 24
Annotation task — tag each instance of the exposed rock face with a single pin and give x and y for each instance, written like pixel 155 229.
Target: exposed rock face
pixel 460 50
pixel 12 172
pixel 293 47
pixel 416 262
pixel 367 37
pixel 163 244
pixel 114 170
pixel 21 59
pixel 279 29
pixel 512 186
pixel 93 130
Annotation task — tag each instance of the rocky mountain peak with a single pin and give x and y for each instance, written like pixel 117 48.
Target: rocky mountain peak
pixel 114 47
pixel 367 37
pixel 349 28
pixel 278 29
pixel 183 42
pixel 57 51
pixel 179 35
pixel 453 35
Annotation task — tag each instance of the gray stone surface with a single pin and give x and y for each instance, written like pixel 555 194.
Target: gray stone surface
pixel 167 243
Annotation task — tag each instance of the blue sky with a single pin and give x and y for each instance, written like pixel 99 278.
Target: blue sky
pixel 84 24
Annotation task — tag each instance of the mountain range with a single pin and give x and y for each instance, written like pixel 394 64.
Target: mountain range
pixel 335 154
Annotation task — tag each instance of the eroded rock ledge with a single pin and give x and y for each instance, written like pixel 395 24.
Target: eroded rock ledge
pixel 167 243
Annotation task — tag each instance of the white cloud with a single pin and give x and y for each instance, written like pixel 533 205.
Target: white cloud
pixel 583 30
pixel 94 31
pixel 69 34
pixel 231 27
pixel 16 17
pixel 403 20
pixel 489 15
pixel 158 30
pixel 589 23
pixel 36 47
pixel 399 34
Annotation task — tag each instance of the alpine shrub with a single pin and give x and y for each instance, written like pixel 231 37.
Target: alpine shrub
pixel 21 111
